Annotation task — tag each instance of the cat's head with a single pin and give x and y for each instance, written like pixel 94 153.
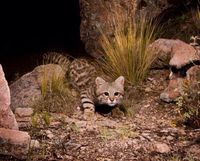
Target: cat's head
pixel 109 93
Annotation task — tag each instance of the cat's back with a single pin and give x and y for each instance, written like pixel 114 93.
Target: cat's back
pixel 82 73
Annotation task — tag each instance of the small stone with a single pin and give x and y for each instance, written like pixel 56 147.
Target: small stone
pixel 55 123
pixel 147 105
pixel 23 112
pixel 148 89
pixel 49 134
pixel 161 147
pixel 170 138
pixel 23 119
pixel 34 144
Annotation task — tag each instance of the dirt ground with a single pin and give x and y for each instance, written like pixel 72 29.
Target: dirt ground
pixel 151 133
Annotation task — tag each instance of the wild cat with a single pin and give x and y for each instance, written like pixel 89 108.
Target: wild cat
pixel 93 89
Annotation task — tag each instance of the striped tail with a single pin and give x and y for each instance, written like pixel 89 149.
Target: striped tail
pixel 57 58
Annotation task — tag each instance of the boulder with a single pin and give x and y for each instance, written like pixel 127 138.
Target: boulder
pixel 180 57
pixel 7 118
pixel 96 13
pixel 26 91
pixel 173 52
pixel 177 84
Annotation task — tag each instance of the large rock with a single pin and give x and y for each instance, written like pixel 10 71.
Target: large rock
pixel 100 13
pixel 26 91
pixel 180 57
pixel 15 143
pixel 177 84
pixel 7 118
pixel 173 52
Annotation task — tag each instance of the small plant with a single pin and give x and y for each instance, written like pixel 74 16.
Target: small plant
pixel 189 105
pixel 40 118
pixel 107 134
pixel 196 19
pixel 126 132
pixel 47 118
pixel 35 120
pixel 57 95
pixel 127 53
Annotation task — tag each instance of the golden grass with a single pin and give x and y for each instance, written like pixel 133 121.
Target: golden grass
pixel 57 95
pixel 126 53
pixel 198 14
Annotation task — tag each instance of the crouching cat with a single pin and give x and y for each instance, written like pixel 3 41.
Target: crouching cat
pixel 93 89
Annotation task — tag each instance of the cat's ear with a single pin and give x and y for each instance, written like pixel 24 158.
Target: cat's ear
pixel 99 81
pixel 120 80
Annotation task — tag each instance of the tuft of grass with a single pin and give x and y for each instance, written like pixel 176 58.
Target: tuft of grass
pixel 106 133
pixel 126 132
pixel 127 52
pixel 57 95
pixel 40 119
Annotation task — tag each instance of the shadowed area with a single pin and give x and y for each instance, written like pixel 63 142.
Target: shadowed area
pixel 30 28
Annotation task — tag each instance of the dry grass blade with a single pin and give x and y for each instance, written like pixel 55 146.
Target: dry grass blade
pixel 127 52
pixel 198 14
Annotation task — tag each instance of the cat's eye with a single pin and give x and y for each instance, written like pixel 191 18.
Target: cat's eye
pixel 106 93
pixel 116 93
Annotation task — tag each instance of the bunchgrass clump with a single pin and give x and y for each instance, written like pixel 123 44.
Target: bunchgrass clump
pixel 57 94
pixel 127 52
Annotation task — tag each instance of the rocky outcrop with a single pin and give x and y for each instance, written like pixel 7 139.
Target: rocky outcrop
pixel 96 13
pixel 173 52
pixel 26 91
pixel 183 60
pixel 177 84
pixel 12 141
pixel 7 118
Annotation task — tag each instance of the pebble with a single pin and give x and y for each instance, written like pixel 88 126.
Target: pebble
pixel 49 134
pixel 161 147
pixel 34 144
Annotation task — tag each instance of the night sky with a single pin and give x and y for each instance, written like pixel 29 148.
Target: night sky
pixel 31 28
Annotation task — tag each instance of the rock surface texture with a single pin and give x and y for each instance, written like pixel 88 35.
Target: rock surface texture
pixel 7 118
pixel 180 57
pixel 12 141
pixel 96 13
pixel 26 91
pixel 15 143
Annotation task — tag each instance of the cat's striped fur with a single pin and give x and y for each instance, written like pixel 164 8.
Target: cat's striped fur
pixel 93 89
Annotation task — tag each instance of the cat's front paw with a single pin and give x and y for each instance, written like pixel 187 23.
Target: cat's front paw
pixel 89 114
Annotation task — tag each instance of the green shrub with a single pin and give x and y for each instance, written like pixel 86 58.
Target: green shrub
pixel 189 106
pixel 126 53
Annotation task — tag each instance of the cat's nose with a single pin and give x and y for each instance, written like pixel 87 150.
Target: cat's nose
pixel 111 99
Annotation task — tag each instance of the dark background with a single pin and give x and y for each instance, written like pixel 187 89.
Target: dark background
pixel 28 29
